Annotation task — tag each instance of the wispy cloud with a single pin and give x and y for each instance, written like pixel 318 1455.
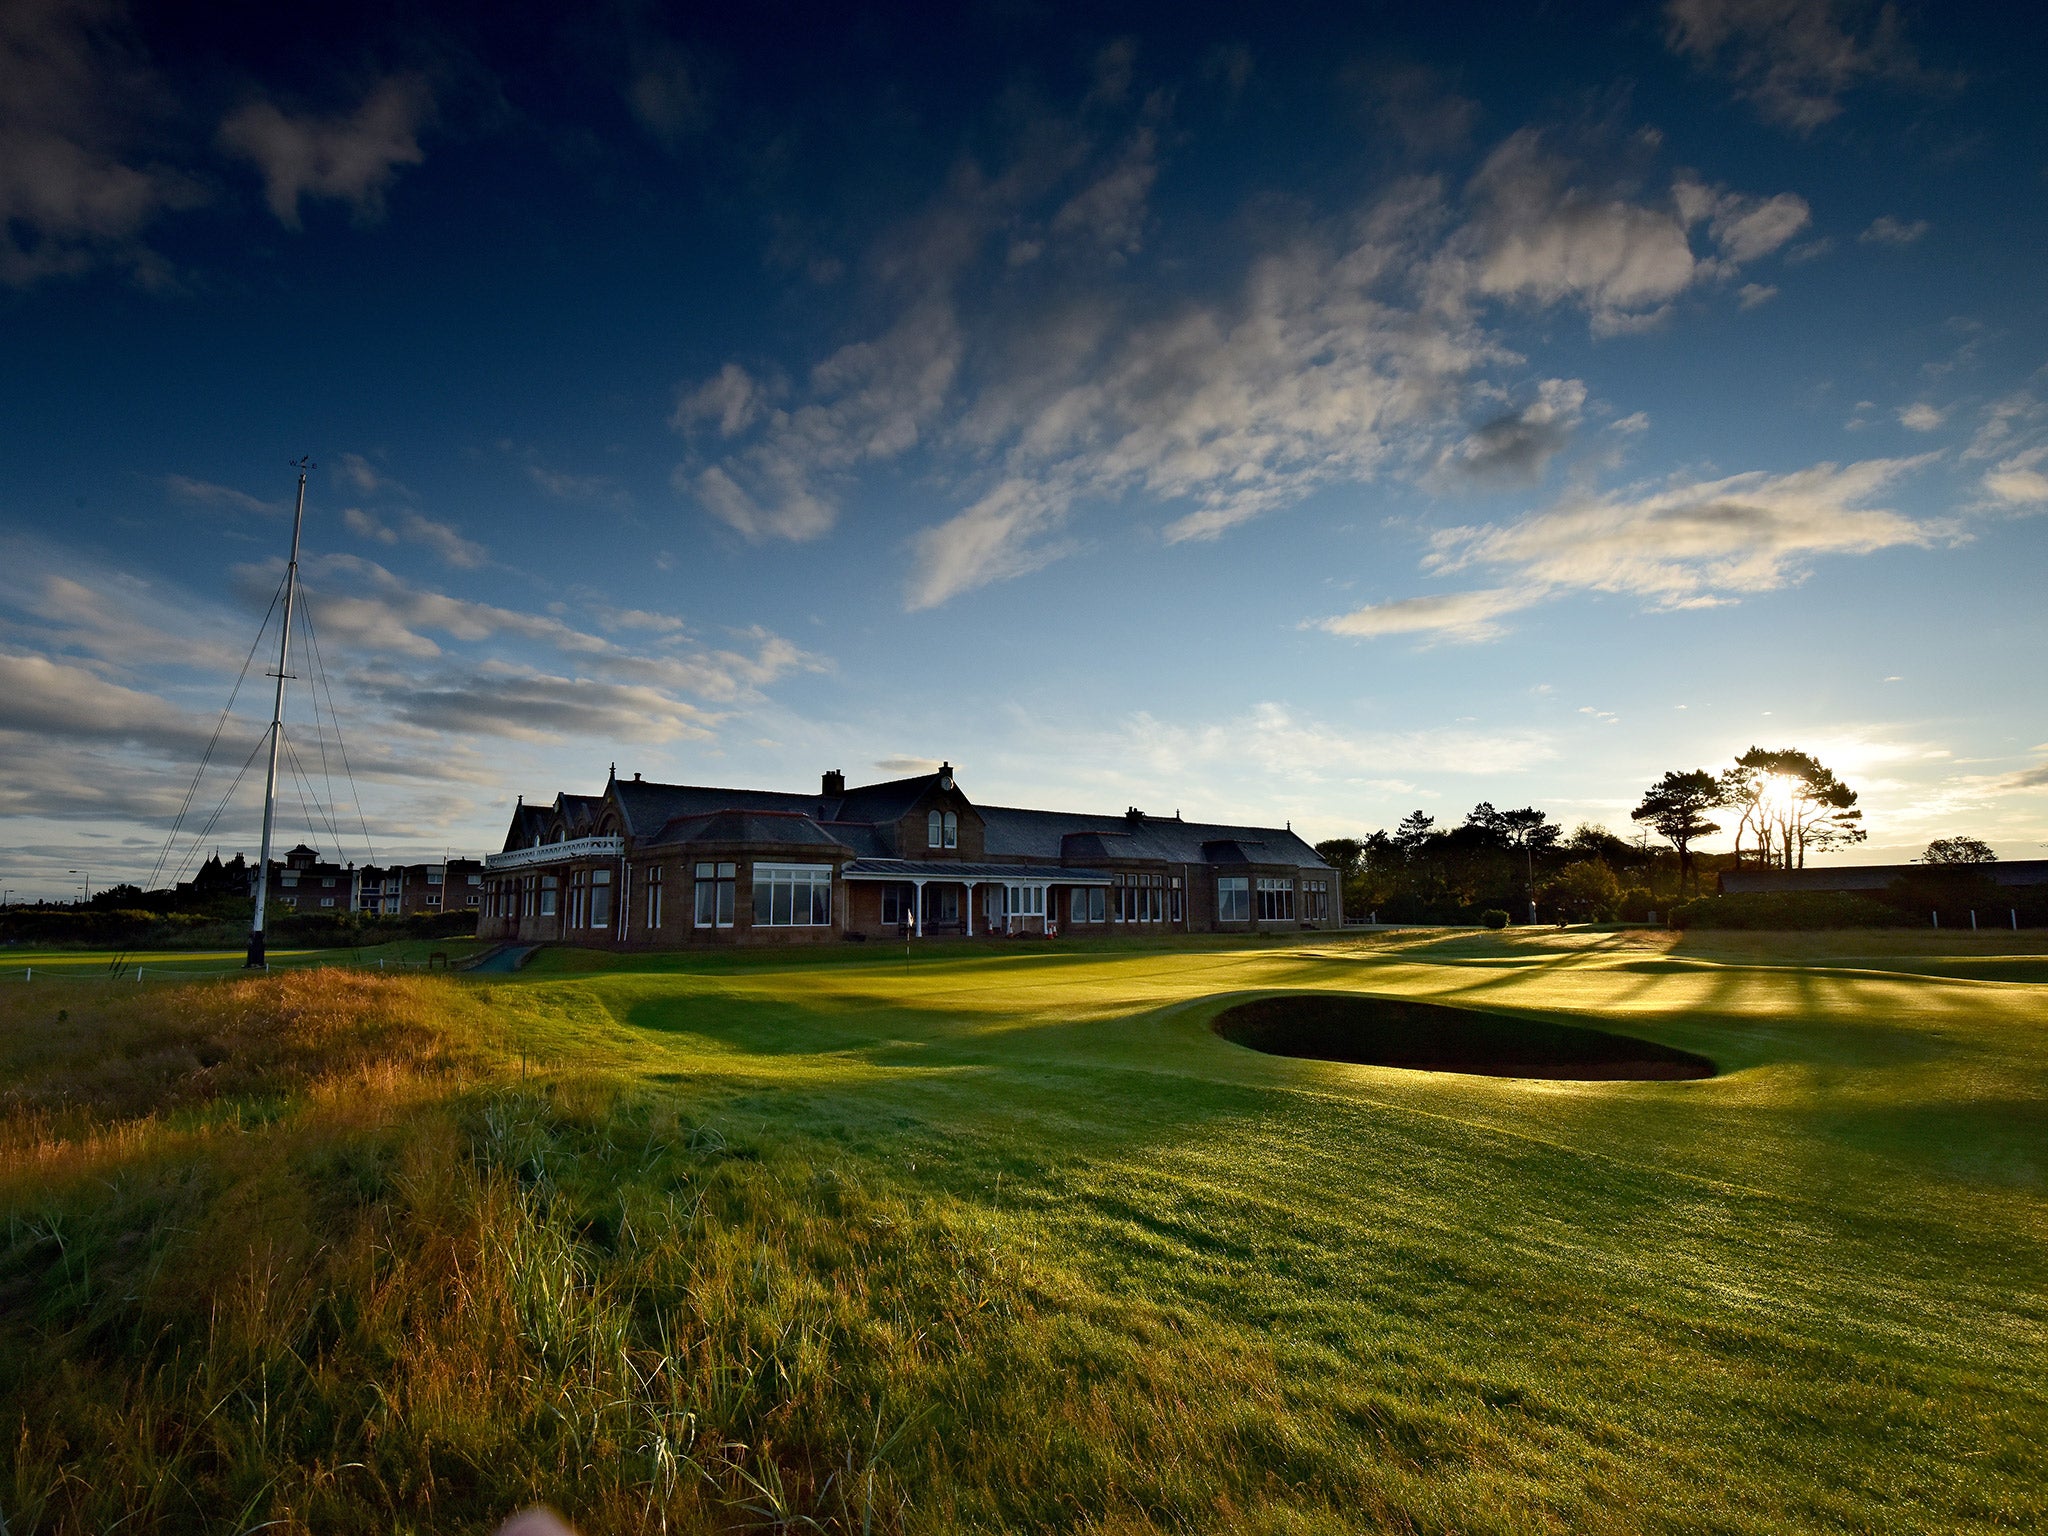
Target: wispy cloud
pixel 409 527
pixel 1794 60
pixel 1458 616
pixel 1886 230
pixel 77 185
pixel 351 157
pixel 207 493
pixel 2019 481
pixel 1689 544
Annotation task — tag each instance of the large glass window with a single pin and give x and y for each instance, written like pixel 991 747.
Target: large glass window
pixel 935 830
pixel 600 898
pixel 952 829
pixel 1233 899
pixel 1024 900
pixel 899 904
pixel 1315 900
pixel 548 884
pixel 792 895
pixel 1276 901
pixel 715 902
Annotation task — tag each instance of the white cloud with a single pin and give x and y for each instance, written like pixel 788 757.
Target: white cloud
pixel 409 527
pixel 368 479
pixel 1460 616
pixel 870 402
pixel 1794 60
pixel 77 187
pixel 1921 417
pixel 1516 446
pixel 206 493
pixel 2007 422
pixel 1346 351
pixel 1543 235
pixel 1751 295
pixel 1697 543
pixel 2019 481
pixel 350 157
pixel 1886 230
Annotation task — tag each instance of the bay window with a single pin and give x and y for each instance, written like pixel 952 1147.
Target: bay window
pixel 715 886
pixel 1276 901
pixel 1233 899
pixel 792 895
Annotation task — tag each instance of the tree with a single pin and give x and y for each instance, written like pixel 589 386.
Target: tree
pixel 1958 850
pixel 1414 831
pixel 1343 854
pixel 1676 808
pixel 1791 805
pixel 1586 890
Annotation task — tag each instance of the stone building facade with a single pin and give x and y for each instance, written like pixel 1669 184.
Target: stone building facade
pixel 665 866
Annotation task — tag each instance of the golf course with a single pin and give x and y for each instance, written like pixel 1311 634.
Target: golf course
pixel 1013 1238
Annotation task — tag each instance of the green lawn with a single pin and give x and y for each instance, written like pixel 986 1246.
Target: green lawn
pixel 1009 1240
pixel 18 962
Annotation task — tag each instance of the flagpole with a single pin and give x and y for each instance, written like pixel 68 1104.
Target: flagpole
pixel 256 959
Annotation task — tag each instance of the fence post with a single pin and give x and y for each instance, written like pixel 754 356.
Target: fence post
pixel 1973 919
pixel 1937 917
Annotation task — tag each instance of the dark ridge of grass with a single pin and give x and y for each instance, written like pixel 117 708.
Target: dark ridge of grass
pixel 1430 1037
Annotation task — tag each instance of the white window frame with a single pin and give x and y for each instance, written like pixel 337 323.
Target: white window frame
pixel 771 880
pixel 1022 900
pixel 654 896
pixel 1275 900
pixel 717 888
pixel 952 829
pixel 1233 899
pixel 598 912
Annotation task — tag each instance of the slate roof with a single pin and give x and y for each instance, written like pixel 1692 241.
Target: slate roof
pixel 780 829
pixel 647 807
pixel 952 869
pixel 1877 877
pixel 528 823
pixel 1016 833
pixel 677 813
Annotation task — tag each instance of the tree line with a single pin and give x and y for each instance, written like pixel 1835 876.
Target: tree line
pixel 1780 805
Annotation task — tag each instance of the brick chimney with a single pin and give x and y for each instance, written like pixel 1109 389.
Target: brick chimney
pixel 835 782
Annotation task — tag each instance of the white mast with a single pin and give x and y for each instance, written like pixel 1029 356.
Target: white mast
pixel 256 958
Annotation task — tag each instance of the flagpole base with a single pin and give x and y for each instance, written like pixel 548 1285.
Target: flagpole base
pixel 255 962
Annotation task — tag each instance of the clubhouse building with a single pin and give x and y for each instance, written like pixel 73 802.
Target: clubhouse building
pixel 665 866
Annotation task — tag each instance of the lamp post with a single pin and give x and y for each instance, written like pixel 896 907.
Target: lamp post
pixel 87 880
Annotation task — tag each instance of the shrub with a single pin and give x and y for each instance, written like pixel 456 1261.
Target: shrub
pixel 1493 917
pixel 1785 909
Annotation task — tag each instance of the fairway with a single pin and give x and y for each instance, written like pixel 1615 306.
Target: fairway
pixel 1010 1239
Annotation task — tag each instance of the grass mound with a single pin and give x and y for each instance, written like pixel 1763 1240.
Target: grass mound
pixel 1428 1037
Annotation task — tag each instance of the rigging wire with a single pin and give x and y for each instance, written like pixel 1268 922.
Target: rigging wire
pixel 340 745
pixel 213 820
pixel 192 789
pixel 308 800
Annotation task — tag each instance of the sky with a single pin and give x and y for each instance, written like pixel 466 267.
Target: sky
pixel 1274 414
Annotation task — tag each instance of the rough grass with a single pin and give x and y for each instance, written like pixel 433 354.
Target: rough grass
pixel 1012 1242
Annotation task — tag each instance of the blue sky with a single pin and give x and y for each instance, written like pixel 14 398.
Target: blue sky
pixel 1284 417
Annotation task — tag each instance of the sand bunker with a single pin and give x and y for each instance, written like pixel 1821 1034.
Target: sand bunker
pixel 1429 1037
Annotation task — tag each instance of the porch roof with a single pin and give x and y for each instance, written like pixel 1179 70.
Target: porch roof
pixel 980 874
